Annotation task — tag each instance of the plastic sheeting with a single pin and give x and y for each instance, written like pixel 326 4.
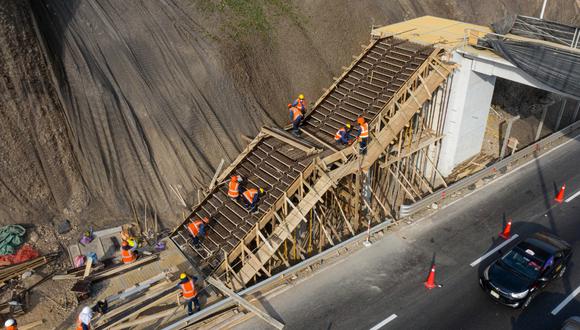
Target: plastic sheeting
pixel 148 103
pixel 557 68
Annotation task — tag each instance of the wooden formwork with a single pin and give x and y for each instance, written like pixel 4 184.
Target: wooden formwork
pixel 319 193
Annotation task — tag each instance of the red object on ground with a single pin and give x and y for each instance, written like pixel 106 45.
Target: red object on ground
pixel 26 252
pixel 506 231
pixel 560 197
pixel 430 283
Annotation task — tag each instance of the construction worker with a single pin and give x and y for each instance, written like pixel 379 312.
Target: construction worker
pixel 128 253
pixel 295 118
pixel 85 318
pixel 10 324
pixel 189 293
pixel 197 229
pixel 234 186
pixel 251 197
pixel 363 135
pixel 300 103
pixel 342 136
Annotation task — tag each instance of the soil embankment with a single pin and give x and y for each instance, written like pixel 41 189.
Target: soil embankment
pixel 156 93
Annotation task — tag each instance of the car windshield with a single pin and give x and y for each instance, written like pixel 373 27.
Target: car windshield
pixel 524 262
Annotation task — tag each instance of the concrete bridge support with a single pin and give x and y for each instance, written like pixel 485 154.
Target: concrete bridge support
pixel 466 118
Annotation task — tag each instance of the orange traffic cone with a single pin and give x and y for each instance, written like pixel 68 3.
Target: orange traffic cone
pixel 506 231
pixel 430 283
pixel 560 197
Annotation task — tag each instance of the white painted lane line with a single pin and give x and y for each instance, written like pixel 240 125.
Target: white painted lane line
pixel 385 321
pixel 483 257
pixel 572 197
pixel 566 301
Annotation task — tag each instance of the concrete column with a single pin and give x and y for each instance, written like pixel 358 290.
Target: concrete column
pixel 466 119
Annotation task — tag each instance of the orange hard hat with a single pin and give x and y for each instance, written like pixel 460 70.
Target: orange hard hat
pixel 360 120
pixel 289 105
pixel 234 178
pixel 124 243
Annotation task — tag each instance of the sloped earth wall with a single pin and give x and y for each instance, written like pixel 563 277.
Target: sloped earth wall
pixel 155 93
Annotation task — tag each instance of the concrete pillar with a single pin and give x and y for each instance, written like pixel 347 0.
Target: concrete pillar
pixel 466 119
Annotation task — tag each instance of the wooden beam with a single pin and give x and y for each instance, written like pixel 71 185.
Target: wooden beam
pixel 145 319
pixel 290 141
pixel 215 176
pixel 324 229
pixel 342 213
pixel 30 325
pixel 88 267
pixel 257 260
pixel 244 303
pixel 314 137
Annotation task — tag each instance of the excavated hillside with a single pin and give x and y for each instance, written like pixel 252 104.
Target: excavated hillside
pixel 153 94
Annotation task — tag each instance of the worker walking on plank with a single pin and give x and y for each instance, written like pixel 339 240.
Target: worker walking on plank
pixel 234 187
pixel 363 135
pixel 85 318
pixel 197 229
pixel 189 292
pixel 251 198
pixel 10 324
pixel 300 103
pixel 128 253
pixel 342 136
pixel 295 118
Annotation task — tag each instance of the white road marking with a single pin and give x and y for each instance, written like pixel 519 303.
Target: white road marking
pixel 483 257
pixel 384 322
pixel 566 301
pixel 572 197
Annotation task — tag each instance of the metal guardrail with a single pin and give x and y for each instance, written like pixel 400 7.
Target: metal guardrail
pixel 229 302
pixel 534 149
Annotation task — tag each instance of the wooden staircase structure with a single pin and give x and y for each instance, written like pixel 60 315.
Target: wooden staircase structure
pixel 314 189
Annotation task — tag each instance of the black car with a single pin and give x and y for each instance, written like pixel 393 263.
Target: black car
pixel 515 278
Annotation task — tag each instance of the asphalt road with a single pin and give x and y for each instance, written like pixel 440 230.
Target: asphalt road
pixel 373 284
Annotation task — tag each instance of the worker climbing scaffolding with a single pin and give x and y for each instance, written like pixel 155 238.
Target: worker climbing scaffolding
pixel 295 118
pixel 234 186
pixel 251 198
pixel 363 135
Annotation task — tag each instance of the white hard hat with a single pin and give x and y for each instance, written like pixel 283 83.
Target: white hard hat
pixel 9 322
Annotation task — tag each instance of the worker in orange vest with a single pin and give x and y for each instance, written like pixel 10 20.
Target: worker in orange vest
pixel 300 103
pixel 189 292
pixel 85 318
pixel 295 118
pixel 197 229
pixel 234 186
pixel 251 198
pixel 10 324
pixel 363 135
pixel 342 136
pixel 128 253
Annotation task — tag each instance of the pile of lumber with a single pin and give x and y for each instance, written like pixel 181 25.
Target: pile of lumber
pixel 10 272
pixel 101 272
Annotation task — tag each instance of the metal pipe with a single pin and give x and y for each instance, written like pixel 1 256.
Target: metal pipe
pixel 543 9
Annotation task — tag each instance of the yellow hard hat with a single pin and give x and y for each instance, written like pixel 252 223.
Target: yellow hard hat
pixel 183 276
pixel 347 125
pixel 261 190
pixel 301 96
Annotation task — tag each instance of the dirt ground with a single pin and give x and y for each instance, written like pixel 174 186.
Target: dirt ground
pixel 155 94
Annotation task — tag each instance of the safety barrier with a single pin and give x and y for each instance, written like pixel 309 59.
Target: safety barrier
pixel 534 149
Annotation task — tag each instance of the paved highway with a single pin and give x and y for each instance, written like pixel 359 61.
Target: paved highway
pixel 382 286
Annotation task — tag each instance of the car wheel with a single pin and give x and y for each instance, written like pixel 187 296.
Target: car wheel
pixel 528 301
pixel 562 271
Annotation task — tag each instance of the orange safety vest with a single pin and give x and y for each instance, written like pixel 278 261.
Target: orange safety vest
pixel 234 189
pixel 295 113
pixel 188 289
pixel 338 134
pixel 80 325
pixel 364 131
pixel 128 256
pixel 193 227
pixel 13 327
pixel 249 194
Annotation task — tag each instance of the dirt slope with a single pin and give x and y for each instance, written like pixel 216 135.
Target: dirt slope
pixel 155 93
